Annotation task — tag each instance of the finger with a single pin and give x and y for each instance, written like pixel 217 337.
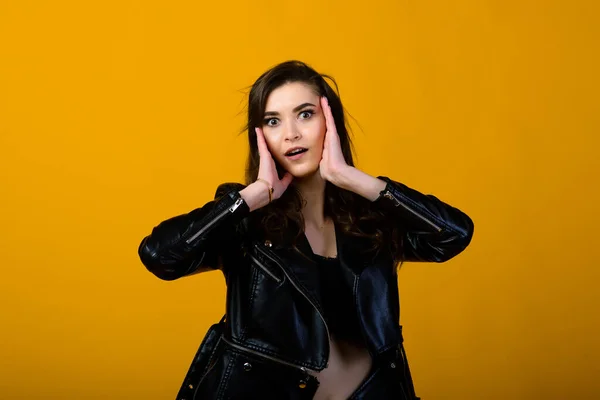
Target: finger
pixel 324 102
pixel 261 143
pixel 324 107
pixel 329 121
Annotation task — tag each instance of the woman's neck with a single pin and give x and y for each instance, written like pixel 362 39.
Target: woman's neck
pixel 312 190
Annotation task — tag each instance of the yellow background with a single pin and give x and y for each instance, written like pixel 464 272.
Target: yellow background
pixel 116 115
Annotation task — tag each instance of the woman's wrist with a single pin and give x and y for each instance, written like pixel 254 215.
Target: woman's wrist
pixel 256 195
pixel 268 186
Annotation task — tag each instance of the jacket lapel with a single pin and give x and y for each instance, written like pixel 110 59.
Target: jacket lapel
pixel 303 269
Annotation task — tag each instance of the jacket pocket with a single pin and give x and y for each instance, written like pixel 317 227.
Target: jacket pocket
pixel 203 361
pixel 238 374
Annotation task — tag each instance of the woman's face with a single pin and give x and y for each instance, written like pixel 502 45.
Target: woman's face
pixel 294 118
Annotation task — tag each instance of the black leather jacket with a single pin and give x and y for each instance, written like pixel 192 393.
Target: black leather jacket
pixel 275 328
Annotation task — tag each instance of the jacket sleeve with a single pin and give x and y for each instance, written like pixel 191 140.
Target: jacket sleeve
pixel 432 230
pixel 192 243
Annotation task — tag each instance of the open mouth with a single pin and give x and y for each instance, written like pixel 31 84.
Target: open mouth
pixel 296 152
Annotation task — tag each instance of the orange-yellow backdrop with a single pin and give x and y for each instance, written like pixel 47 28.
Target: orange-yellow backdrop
pixel 116 115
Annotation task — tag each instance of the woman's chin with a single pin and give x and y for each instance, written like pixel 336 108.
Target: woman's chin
pixel 304 173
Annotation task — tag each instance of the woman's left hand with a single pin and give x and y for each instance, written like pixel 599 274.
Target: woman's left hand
pixel 332 163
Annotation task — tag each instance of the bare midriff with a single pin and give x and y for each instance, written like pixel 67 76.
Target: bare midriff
pixel 349 365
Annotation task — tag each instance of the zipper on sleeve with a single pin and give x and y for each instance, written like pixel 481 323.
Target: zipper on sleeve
pixel 397 202
pixel 231 209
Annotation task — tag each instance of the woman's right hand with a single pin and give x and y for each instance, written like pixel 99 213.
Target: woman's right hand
pixel 267 169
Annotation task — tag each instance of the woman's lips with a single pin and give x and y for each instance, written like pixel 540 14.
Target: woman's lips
pixel 296 156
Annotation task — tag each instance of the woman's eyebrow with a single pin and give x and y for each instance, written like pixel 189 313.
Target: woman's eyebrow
pixel 298 108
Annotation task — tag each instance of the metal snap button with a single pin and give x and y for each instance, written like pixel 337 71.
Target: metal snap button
pixel 247 366
pixel 302 384
pixel 392 365
pixel 191 386
pixel 268 243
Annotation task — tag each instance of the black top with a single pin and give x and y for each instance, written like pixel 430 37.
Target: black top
pixel 337 300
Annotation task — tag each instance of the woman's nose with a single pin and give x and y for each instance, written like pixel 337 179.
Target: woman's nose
pixel 291 132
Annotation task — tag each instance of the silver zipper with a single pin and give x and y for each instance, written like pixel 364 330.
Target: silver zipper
pixel 355 293
pixel 231 209
pixel 303 294
pixel 390 196
pixel 265 269
pixel 268 357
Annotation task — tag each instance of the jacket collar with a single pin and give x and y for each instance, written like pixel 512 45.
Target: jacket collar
pixel 349 250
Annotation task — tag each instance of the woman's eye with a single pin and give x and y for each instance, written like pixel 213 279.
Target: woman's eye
pixel 271 121
pixel 306 114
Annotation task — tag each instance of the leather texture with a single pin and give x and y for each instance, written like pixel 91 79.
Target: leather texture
pixel 275 328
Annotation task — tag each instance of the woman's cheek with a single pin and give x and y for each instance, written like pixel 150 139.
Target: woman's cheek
pixel 270 139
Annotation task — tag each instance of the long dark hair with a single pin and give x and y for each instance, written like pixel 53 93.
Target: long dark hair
pixel 347 209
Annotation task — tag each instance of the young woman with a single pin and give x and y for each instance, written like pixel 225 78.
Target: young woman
pixel 309 247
